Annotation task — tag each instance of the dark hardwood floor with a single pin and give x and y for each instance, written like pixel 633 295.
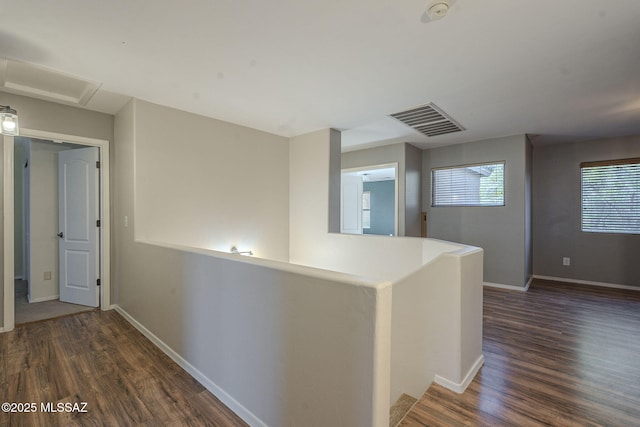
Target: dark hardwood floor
pixel 99 358
pixel 559 354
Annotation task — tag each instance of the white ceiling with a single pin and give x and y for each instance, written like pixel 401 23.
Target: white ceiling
pixel 561 69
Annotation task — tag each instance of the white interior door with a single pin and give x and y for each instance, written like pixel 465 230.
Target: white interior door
pixel 79 232
pixel 351 204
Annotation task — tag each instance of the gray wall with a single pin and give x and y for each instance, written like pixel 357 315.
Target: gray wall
pixel 409 162
pixel 595 257
pixel 335 142
pixel 48 116
pixel 412 191
pixel 383 200
pixel 528 210
pixel 500 230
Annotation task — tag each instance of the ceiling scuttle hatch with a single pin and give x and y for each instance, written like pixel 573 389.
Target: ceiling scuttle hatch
pixel 429 120
pixel 23 78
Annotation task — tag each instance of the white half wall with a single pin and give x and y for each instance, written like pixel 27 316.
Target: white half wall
pixel 437 285
pixel 437 324
pixel 281 345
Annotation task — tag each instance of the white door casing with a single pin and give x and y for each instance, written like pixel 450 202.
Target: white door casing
pixel 351 204
pixel 78 213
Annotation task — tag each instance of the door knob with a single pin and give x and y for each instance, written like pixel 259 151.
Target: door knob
pixel 61 235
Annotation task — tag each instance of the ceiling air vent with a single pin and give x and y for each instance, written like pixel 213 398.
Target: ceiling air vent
pixel 429 120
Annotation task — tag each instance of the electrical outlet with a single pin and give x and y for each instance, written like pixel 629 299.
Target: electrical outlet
pixel 566 261
pixel 47 275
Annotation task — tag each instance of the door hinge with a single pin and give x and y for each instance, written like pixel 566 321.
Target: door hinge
pixel 98 164
pixel 98 223
pixel 98 282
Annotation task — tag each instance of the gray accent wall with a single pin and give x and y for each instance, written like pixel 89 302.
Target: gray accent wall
pixel 412 190
pixel 595 257
pixel 383 200
pixel 502 231
pixel 335 142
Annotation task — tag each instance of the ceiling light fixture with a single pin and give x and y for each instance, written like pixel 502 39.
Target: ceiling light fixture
pixel 438 10
pixel 9 121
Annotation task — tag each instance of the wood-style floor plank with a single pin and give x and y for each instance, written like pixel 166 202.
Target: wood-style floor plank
pixel 558 355
pixel 99 358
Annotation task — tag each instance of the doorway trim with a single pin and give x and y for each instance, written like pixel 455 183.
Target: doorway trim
pixel 376 167
pixel 105 217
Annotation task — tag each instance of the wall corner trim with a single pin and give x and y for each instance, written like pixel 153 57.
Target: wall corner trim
pixel 218 392
pixel 510 287
pixel 461 387
pixel 526 287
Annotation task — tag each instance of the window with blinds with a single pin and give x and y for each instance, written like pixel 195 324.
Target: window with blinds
pixel 611 196
pixel 471 185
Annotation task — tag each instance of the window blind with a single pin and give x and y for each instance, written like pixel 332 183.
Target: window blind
pixel 611 196
pixel 471 185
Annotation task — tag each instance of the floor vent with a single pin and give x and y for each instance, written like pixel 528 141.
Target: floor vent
pixel 429 120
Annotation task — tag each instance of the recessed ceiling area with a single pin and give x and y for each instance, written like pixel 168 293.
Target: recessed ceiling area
pixel 562 70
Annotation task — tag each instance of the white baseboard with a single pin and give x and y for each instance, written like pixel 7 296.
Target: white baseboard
pixel 42 299
pixel 229 401
pixel 510 287
pixel 461 387
pixel 526 287
pixel 587 282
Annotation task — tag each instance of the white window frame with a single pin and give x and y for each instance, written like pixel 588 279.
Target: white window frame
pixel 607 170
pixel 464 167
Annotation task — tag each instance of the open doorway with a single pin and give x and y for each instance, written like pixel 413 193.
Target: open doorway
pixel 369 200
pixel 43 172
pixel 23 269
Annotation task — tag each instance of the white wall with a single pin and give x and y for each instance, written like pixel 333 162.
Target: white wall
pixel 206 183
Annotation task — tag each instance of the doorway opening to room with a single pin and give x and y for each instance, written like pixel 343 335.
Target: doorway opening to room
pixel 56 246
pixel 369 200
pixel 59 262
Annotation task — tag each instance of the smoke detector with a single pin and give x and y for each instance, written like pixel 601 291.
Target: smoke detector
pixel 438 10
